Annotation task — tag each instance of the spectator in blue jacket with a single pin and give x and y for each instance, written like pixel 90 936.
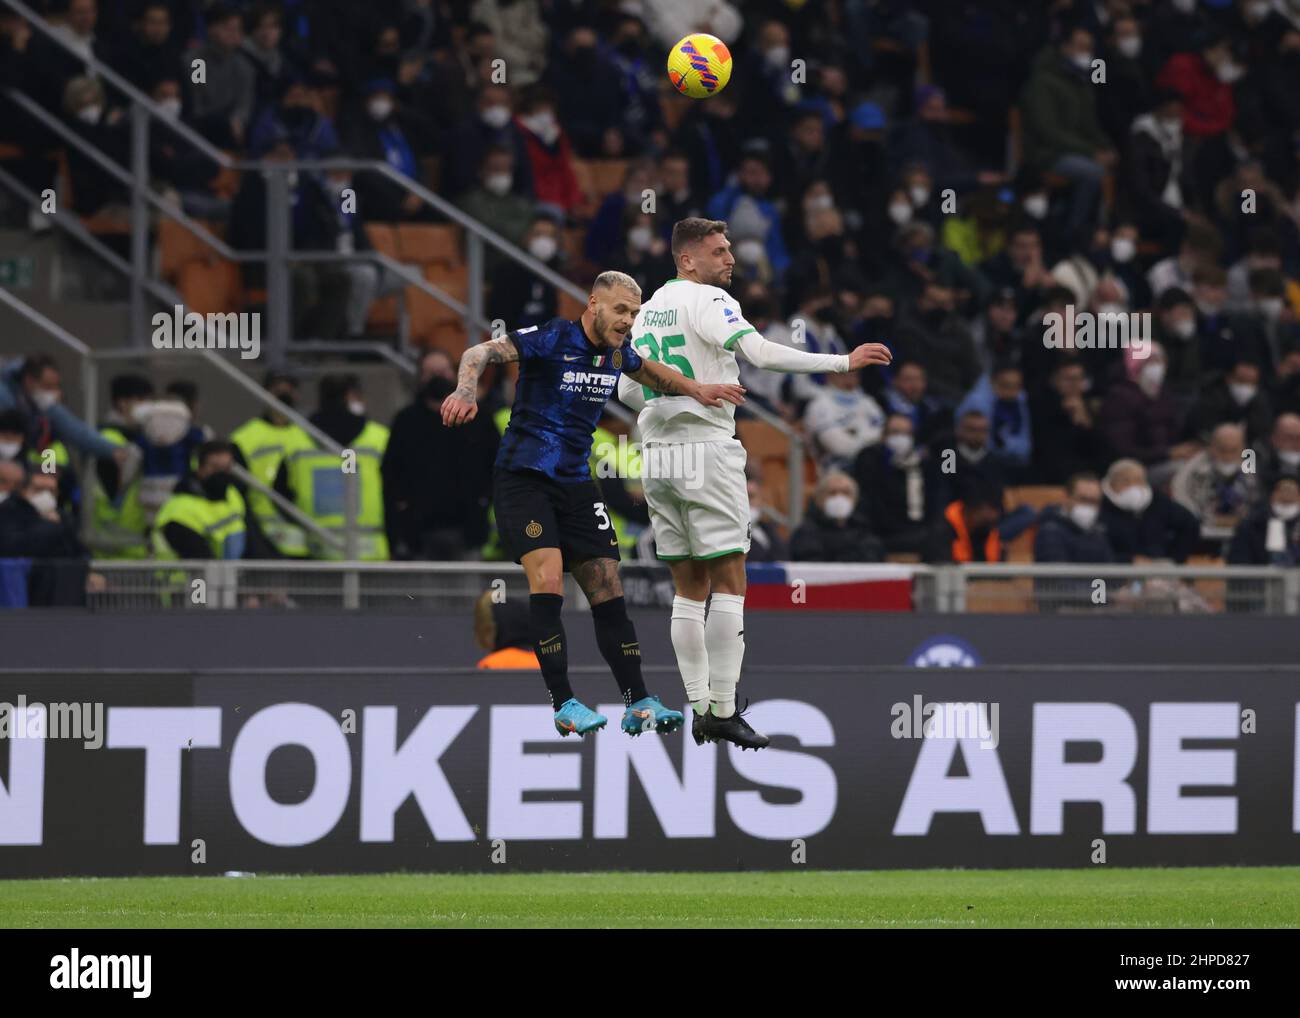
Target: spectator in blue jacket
pixel 1000 396
pixel 1070 532
pixel 754 224
pixel 294 117
pixel 32 386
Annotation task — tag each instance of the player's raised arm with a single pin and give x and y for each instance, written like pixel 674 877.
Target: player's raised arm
pixel 763 353
pixel 462 405
pixel 671 382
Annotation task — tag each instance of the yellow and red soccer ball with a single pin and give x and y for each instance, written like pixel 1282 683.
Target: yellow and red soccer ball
pixel 699 66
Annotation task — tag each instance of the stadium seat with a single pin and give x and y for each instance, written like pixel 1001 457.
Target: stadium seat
pixel 429 244
pixel 426 313
pixel 210 287
pixel 177 247
pixel 449 337
pixel 1012 596
pixel 383 237
pixel 568 306
pixel 607 177
pixel 1036 496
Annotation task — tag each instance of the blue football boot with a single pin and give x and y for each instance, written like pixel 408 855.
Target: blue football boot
pixel 574 717
pixel 649 715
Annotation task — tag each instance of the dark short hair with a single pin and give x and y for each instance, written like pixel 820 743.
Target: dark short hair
pixel 35 365
pixel 130 387
pixel 11 423
pixel 1172 297
pixel 1083 476
pixel 688 231
pixel 184 390
pixel 213 447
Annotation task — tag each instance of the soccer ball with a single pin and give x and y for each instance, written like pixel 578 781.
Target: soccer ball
pixel 699 66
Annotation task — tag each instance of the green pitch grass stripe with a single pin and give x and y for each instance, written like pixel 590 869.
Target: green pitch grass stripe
pixel 1095 897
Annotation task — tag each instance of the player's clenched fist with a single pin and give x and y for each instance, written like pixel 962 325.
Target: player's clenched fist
pixel 867 354
pixel 714 395
pixel 457 410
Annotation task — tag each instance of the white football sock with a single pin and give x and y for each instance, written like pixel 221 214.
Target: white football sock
pixel 724 636
pixel 687 631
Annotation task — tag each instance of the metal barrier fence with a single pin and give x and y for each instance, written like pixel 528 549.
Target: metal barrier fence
pixel 419 586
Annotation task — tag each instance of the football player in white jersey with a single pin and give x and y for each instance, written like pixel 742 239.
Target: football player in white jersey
pixel 693 466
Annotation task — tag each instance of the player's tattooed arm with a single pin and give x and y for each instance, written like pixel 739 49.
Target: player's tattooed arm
pixel 670 382
pixel 462 405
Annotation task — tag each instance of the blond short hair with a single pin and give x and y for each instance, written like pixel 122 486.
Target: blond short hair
pixel 612 278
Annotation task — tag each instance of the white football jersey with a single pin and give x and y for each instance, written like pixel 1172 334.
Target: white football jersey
pixel 693 328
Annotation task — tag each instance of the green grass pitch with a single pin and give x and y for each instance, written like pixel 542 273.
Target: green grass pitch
pixel 1101 897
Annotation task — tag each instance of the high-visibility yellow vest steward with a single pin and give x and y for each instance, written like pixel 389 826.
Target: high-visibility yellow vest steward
pixel 318 489
pixel 122 522
pixel 217 522
pixel 264 447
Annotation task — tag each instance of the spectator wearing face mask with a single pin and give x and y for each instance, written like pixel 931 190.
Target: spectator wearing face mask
pixel 1269 315
pixel 1281 457
pixel 765 73
pixel 966 450
pixel 1000 396
pixel 1019 267
pixel 204 518
pixel 754 222
pixel 1158 172
pixel 1128 79
pixel 645 255
pixel 550 157
pixel 167 439
pixel 42 562
pixel 928 139
pixel 13 438
pixel 1213 485
pixel 843 420
pixel 150 52
pixel 495 203
pixel 1144 524
pixel 1233 398
pixel 491 127
pixel 608 228
pixel 518 297
pixel 1139 418
pixel 87 112
pixel 177 163
pixel 12 473
pixel 437 480
pixel 1061 130
pixel 295 118
pixel 1070 532
pixel 1270 535
pixel 908 394
pixel 1205 80
pixel 998 338
pixel 835 528
pixel 766 544
pixel 33 388
pixel 377 132
pixel 1174 328
pixel 1224 337
pixel 121 525
pixel 968 529
pixel 892 474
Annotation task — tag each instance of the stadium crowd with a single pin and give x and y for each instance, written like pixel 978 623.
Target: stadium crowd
pixel 935 175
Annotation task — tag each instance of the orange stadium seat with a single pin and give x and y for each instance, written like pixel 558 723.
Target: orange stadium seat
pixel 606 177
pixel 383 236
pixel 177 247
pixel 449 337
pixel 567 306
pixel 425 312
pixel 429 244
pixel 210 287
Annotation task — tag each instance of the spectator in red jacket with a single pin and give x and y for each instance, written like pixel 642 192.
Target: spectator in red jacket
pixel 1205 81
pixel 555 182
